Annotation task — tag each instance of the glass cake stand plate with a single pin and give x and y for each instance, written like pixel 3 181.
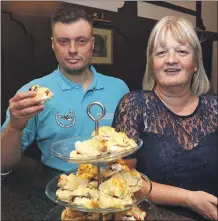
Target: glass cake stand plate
pixel 152 213
pixel 52 187
pixel 62 149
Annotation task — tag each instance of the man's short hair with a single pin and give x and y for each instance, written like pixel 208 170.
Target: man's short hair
pixel 69 15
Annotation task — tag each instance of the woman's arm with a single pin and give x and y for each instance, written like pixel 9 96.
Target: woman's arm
pixel 198 201
pixel 131 163
pixel 168 195
pixel 161 193
pixel 201 202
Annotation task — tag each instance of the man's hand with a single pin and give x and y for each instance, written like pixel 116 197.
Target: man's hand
pixel 22 107
pixel 203 203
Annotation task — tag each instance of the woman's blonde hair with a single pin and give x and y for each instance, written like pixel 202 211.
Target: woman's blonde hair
pixel 183 32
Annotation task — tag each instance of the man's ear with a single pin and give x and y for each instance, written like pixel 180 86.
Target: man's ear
pixel 93 43
pixel 52 43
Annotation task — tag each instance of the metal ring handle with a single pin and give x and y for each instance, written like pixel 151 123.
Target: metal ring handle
pixel 102 108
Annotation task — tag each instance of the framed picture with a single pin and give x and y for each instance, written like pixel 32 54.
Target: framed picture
pixel 103 50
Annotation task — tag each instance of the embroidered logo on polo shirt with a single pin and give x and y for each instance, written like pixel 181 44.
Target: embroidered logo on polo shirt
pixel 67 120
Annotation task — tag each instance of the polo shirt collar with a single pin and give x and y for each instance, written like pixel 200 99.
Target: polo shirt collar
pixel 66 84
pixel 96 82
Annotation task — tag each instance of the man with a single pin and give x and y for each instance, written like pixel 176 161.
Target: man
pixel 75 84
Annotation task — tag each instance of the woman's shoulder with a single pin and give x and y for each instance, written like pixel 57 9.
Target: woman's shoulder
pixel 210 98
pixel 209 103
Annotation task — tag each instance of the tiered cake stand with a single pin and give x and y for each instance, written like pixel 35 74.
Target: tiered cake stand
pixel 62 150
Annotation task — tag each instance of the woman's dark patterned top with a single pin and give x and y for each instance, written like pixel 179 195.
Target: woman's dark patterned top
pixel 177 150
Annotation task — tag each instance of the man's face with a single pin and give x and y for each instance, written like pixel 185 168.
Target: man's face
pixel 73 45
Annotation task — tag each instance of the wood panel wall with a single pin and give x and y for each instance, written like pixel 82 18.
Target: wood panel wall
pixel 26 45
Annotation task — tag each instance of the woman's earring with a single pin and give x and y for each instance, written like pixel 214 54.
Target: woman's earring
pixel 195 69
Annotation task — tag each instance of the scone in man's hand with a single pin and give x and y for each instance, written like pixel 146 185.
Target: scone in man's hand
pixel 23 106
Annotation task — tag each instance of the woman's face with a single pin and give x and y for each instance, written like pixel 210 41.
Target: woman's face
pixel 173 64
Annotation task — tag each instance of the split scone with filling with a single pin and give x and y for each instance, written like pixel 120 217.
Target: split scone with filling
pixel 67 184
pixel 116 141
pixel 71 181
pixel 132 178
pixel 66 191
pixel 85 177
pixel 86 197
pixel 103 144
pixel 120 142
pixel 105 132
pixel 133 214
pixel 43 93
pixel 71 214
pixel 114 193
pixel 89 148
pixel 64 195
pixel 114 167
pixel 96 217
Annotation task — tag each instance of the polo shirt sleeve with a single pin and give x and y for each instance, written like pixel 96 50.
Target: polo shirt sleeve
pixel 29 132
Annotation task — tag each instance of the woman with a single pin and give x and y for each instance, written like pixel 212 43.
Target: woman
pixel 177 120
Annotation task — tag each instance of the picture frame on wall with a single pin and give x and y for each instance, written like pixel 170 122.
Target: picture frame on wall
pixel 103 49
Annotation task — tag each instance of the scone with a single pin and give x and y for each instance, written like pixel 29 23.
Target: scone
pixel 114 168
pixel 96 217
pixel 86 197
pixel 108 141
pixel 67 184
pixel 120 142
pixel 114 193
pixel 71 182
pixel 86 148
pixel 133 214
pixel 115 187
pixel 71 214
pixel 64 195
pixel 132 178
pixel 98 143
pixel 43 93
pixel 87 171
pixel 85 202
pixel 106 132
pixel 107 201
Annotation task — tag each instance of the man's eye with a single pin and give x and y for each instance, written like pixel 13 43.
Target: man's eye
pixel 63 42
pixel 81 41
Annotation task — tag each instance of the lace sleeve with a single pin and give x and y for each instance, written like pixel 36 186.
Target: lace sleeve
pixel 129 115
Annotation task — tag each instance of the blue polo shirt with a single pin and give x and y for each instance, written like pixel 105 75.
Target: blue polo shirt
pixel 65 115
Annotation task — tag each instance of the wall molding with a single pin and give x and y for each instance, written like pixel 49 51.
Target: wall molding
pixel 173 7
